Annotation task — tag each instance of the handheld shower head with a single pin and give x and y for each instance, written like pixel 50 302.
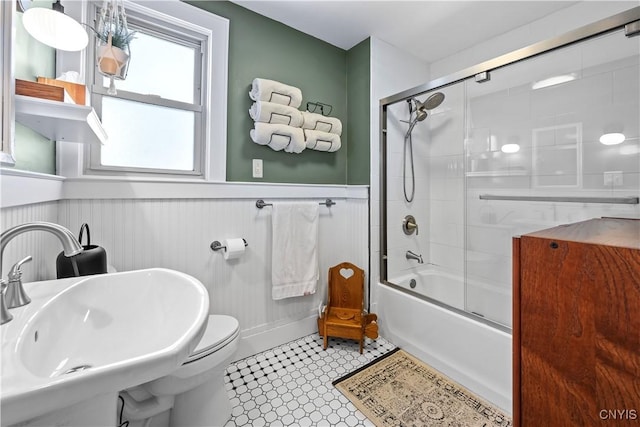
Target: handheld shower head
pixel 421 108
pixel 421 114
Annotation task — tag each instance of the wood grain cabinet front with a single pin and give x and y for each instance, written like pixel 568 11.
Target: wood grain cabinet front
pixel 576 330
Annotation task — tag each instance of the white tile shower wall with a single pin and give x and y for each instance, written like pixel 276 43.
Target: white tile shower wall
pixel 392 71
pixel 42 246
pixel 398 243
pixel 176 234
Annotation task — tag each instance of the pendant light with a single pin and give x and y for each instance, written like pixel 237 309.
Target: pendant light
pixel 55 29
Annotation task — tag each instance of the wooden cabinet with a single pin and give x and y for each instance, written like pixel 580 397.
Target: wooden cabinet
pixel 576 326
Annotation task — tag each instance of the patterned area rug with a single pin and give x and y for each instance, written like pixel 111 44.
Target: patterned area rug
pixel 399 390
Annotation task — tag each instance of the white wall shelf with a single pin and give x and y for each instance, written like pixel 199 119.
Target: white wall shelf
pixel 60 121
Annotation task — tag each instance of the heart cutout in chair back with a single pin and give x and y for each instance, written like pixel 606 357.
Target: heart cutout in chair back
pixel 346 272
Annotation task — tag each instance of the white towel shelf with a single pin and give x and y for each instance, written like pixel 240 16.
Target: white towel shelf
pixel 60 121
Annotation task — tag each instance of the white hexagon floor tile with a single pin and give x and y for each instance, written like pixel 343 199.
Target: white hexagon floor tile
pixel 290 385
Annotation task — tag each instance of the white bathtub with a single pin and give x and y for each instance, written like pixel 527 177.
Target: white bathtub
pixel 489 300
pixel 474 354
pixel 440 285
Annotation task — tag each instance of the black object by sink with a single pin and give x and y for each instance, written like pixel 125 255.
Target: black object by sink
pixel 92 260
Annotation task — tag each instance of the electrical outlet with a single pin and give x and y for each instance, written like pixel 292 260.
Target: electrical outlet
pixel 617 179
pixel 613 179
pixel 257 168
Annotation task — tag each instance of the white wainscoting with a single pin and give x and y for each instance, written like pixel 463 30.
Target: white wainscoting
pixel 176 234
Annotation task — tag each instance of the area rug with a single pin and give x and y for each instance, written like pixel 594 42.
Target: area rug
pixel 399 390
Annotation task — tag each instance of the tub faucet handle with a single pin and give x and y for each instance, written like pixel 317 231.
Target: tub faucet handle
pixel 413 225
pixel 409 225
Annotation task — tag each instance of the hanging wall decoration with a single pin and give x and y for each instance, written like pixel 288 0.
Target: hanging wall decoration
pixel 112 42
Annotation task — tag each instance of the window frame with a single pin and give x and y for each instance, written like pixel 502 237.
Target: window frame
pixel 212 33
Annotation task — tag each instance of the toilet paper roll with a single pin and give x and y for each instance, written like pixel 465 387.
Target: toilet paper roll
pixel 234 248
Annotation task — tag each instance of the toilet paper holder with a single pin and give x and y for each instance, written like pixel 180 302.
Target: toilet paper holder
pixel 216 245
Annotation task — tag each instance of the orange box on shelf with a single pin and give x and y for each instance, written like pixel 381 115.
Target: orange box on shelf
pixel 76 91
pixel 39 90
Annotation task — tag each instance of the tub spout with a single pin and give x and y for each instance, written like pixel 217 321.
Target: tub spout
pixel 413 255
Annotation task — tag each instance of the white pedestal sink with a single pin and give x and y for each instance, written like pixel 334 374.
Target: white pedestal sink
pixel 81 340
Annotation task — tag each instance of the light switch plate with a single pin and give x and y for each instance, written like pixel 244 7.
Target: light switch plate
pixel 257 168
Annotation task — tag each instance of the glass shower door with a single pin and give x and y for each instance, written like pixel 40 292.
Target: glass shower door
pixel 535 155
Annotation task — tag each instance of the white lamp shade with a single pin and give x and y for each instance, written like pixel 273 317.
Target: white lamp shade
pixel 55 29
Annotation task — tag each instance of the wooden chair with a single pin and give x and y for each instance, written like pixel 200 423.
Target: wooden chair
pixel 344 316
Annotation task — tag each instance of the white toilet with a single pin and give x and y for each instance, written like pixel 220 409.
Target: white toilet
pixel 194 392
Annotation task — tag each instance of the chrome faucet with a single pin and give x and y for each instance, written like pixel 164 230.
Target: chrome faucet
pixel 413 255
pixel 14 290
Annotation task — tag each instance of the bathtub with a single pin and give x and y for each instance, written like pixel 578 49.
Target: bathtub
pixel 471 352
pixel 439 285
pixel 489 300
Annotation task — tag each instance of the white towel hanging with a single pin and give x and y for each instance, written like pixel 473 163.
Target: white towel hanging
pixel 322 123
pixel 278 137
pixel 322 141
pixel 294 265
pixel 273 91
pixel 269 112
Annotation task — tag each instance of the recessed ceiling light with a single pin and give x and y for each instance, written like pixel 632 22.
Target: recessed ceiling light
pixel 612 138
pixel 510 148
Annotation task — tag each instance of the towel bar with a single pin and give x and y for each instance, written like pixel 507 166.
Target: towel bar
pixel 261 203
pixel 631 200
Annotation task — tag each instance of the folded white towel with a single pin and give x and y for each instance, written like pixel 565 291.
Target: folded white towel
pixel 270 112
pixel 278 137
pixel 319 122
pixel 322 141
pixel 273 91
pixel 294 254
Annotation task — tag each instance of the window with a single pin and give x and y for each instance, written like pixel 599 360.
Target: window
pixel 161 119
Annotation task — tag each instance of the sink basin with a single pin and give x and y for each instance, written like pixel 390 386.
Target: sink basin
pixel 87 336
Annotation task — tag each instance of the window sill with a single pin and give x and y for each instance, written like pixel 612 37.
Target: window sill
pixel 20 187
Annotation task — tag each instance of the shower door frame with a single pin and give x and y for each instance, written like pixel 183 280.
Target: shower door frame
pixel 629 20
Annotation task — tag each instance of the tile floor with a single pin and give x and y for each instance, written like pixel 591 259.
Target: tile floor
pixel 290 385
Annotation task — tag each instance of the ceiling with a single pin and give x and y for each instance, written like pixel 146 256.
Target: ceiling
pixel 417 27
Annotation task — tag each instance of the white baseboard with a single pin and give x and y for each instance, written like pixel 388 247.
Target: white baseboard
pixel 252 343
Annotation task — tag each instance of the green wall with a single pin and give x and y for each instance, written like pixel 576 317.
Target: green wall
pixel 358 111
pixel 33 152
pixel 262 47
